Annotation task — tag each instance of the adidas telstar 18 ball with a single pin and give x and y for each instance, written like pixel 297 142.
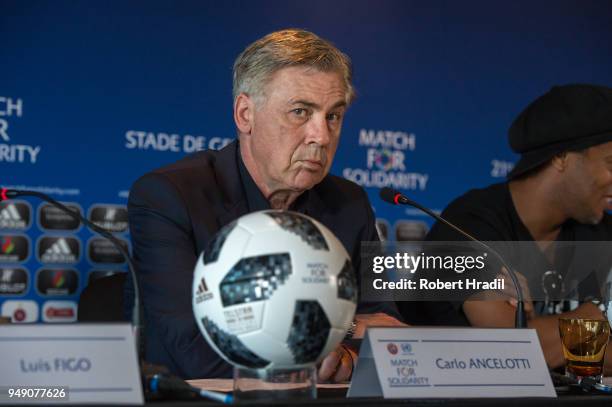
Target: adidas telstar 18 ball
pixel 274 289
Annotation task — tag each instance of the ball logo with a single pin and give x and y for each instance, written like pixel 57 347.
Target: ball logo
pixel 59 250
pixel 52 218
pixel 392 348
pixel 110 217
pixel 57 282
pixel 202 293
pixel 14 248
pixel 318 273
pixel 15 215
pixel 13 281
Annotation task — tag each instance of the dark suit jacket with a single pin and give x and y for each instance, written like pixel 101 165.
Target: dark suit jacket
pixel 174 211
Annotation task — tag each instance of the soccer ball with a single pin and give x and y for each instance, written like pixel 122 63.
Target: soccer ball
pixel 274 289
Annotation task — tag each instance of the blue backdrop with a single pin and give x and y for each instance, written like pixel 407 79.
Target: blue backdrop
pixel 95 94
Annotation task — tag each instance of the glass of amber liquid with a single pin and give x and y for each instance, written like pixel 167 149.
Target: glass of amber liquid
pixel 584 346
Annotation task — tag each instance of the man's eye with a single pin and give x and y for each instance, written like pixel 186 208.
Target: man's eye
pixel 300 112
pixel 333 117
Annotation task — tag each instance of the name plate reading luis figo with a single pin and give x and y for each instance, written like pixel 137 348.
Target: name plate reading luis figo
pixel 72 363
pixel 451 363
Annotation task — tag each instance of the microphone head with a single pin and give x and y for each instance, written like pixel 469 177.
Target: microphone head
pixel 389 195
pixel 6 194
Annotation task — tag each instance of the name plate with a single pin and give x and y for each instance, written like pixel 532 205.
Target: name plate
pixel 451 363
pixel 72 363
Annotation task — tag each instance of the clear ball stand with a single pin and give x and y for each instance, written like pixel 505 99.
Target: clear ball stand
pixel 275 384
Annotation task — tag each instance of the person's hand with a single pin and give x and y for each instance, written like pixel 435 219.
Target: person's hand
pixel 510 291
pixel 338 365
pixel 379 319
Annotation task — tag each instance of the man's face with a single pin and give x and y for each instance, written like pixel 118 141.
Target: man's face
pixel 296 128
pixel 589 183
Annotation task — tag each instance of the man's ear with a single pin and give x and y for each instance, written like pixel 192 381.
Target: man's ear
pixel 244 109
pixel 560 161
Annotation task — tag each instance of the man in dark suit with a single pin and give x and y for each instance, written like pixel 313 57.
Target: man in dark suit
pixel 291 90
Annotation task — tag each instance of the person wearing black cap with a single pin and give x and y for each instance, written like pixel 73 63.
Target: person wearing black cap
pixel 560 190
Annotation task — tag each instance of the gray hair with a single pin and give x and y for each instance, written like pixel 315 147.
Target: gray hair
pixel 287 48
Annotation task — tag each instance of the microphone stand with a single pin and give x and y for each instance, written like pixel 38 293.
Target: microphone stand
pixel 137 312
pixel 158 382
pixel 396 198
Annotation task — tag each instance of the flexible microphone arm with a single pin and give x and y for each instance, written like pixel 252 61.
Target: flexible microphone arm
pixel 157 382
pixel 396 198
pixel 137 320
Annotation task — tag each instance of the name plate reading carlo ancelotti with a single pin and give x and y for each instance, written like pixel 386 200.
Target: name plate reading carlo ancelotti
pixel 451 363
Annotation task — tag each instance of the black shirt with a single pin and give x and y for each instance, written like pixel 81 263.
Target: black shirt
pixel 255 200
pixel 489 215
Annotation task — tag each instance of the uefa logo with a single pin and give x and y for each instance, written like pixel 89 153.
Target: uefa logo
pixel 101 250
pixel 13 281
pixel 58 250
pixel 52 218
pixel 60 282
pixel 113 218
pixel 15 215
pixel 392 348
pixel 14 248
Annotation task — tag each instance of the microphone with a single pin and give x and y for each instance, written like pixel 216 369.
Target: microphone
pixel 167 386
pixel 137 318
pixel 397 198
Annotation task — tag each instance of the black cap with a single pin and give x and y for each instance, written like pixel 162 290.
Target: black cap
pixel 566 118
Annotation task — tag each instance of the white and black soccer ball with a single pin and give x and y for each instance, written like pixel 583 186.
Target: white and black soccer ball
pixel 274 289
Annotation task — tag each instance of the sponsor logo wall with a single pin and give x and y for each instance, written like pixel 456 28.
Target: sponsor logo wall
pixel 90 106
pixel 52 272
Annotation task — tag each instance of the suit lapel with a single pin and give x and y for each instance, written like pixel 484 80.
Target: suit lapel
pixel 232 203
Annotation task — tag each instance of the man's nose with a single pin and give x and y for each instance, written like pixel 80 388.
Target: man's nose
pixel 318 130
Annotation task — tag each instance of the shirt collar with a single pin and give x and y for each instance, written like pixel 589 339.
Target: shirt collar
pixel 256 200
